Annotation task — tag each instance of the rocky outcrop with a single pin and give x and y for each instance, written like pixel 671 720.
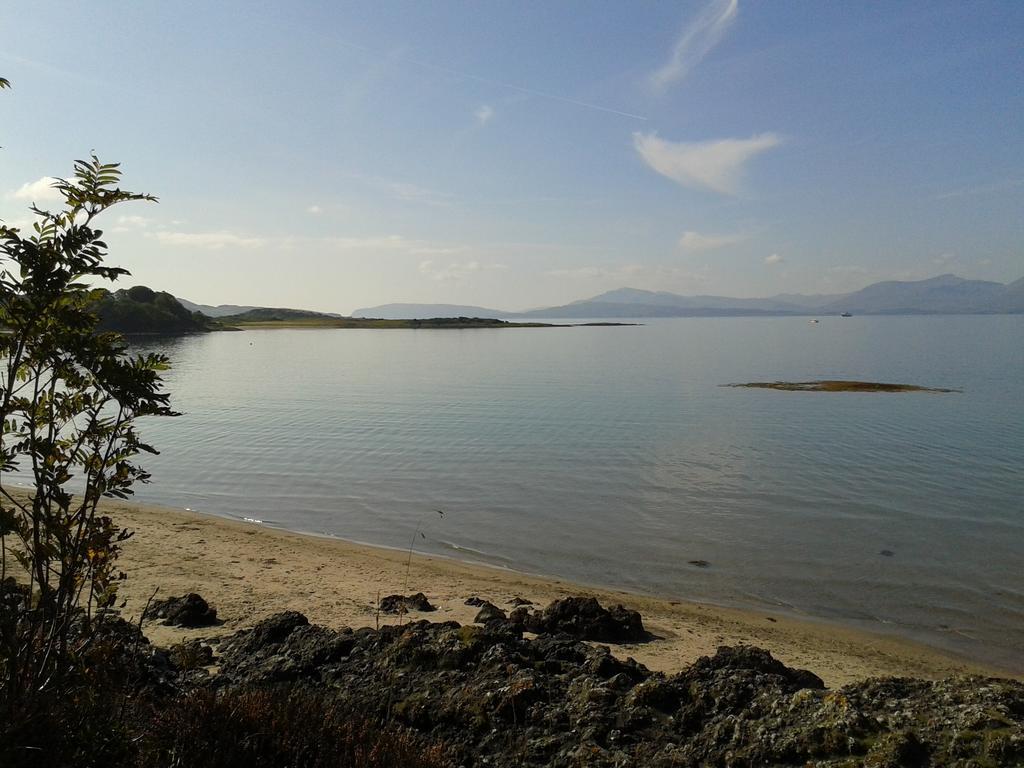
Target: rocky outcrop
pixel 405 603
pixel 189 610
pixel 489 612
pixel 584 619
pixel 502 700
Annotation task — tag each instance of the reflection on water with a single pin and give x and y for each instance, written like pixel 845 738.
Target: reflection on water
pixel 612 456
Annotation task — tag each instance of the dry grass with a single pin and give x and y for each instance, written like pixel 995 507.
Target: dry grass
pixel 276 729
pixel 96 727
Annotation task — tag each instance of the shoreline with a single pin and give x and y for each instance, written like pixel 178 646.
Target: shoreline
pixel 249 571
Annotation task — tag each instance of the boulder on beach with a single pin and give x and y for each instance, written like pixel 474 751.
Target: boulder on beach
pixel 583 618
pixel 405 603
pixel 188 611
pixel 489 612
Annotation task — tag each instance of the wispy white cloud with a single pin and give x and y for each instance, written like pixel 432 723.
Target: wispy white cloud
pixel 38 191
pixel 131 223
pixel 314 209
pixel 406 191
pixel 392 244
pixel 511 86
pixel 616 272
pixel 416 194
pixel 848 269
pixel 773 259
pixel 982 189
pixel 649 276
pixel 455 271
pixel 134 221
pixel 19 222
pixel 716 165
pixel 372 242
pixel 696 40
pixel 695 241
pixel 209 240
pixel 434 251
pixel 484 114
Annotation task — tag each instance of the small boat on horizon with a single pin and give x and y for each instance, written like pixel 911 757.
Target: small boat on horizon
pixel 846 314
pixel 814 321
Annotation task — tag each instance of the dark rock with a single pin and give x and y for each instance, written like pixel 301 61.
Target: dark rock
pixel 743 659
pixel 191 655
pixel 268 633
pixel 585 619
pixel 283 647
pixel 189 610
pixel 117 652
pixel 500 700
pixel 519 601
pixel 699 563
pixel 475 601
pixel 488 613
pixel 897 750
pixel 405 603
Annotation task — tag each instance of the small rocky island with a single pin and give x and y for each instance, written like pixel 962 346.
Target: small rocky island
pixel 837 385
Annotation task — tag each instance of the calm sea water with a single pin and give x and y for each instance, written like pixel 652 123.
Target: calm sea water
pixel 612 456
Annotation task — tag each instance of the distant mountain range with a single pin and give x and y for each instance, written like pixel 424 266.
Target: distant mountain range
pixel 946 294
pixel 409 311
pixel 221 310
pixel 234 310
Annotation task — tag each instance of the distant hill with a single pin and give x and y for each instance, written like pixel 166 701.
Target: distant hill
pixel 423 311
pixel 946 294
pixel 602 309
pixel 274 314
pixel 219 311
pixel 635 296
pixel 633 302
pixel 808 300
pixel 233 310
pixel 142 310
pixel 1014 295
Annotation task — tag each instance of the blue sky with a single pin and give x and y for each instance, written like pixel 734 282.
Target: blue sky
pixel 337 155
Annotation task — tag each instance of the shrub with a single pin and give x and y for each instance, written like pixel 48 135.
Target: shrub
pixel 70 396
pixel 276 729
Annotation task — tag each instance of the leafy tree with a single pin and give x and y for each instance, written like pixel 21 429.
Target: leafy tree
pixel 70 397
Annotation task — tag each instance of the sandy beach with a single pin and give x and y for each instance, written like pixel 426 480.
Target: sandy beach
pixel 248 571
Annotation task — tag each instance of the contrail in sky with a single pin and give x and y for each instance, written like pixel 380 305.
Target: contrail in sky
pixel 499 84
pixel 522 89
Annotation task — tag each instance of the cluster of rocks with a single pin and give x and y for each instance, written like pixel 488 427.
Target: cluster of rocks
pixel 189 610
pixel 499 698
pixel 584 619
pixel 401 604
